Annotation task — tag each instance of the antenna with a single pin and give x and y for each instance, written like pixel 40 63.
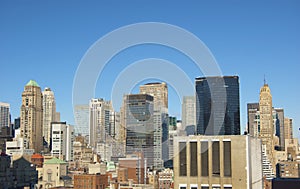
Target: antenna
pixel 265 79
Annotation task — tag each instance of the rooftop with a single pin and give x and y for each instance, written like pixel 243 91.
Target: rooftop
pixel 32 83
pixel 55 161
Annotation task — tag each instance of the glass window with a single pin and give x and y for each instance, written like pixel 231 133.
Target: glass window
pixel 204 158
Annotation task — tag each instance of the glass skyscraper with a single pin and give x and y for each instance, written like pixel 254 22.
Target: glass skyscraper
pixel 218 105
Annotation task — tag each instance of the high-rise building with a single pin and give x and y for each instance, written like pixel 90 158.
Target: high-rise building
pixel 49 112
pixel 81 114
pixel 99 121
pixel 215 162
pixel 218 105
pixel 62 141
pixel 159 91
pixel 4 115
pixel 288 128
pixel 32 116
pixel 138 110
pixel 253 126
pixel 189 112
pixel 280 126
pixel 267 132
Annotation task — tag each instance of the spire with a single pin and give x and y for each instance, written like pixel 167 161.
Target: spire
pixel 265 79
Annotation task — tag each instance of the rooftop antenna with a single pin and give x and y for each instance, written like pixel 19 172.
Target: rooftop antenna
pixel 265 82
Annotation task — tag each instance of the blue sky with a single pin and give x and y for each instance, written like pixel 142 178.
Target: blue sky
pixel 45 41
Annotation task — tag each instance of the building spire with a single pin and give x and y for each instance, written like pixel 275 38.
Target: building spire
pixel 265 82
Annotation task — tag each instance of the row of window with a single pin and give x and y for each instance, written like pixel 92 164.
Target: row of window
pixel 204 164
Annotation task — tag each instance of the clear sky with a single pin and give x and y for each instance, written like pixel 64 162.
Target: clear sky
pixel 45 41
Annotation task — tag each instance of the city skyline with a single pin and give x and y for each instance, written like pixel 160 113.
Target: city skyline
pixel 253 45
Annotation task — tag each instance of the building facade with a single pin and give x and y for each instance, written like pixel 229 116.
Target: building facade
pixel 62 141
pixel 49 113
pixel 99 122
pixel 218 105
pixel 159 91
pixel 189 112
pixel 81 115
pixel 218 162
pixel 139 125
pixel 32 116
pixel 4 115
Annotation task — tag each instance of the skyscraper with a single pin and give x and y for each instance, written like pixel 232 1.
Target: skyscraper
pixel 159 91
pixel 4 115
pixel 218 105
pixel 49 112
pixel 99 114
pixel 138 110
pixel 189 113
pixel 32 116
pixel 81 114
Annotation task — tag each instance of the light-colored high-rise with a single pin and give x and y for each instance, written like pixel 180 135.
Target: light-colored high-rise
pixel 99 121
pixel 49 113
pixel 32 116
pixel 159 91
pixel 267 132
pixel 4 115
pixel 62 141
pixel 189 112
pixel 81 115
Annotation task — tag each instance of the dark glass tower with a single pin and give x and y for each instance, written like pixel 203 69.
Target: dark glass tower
pixel 218 105
pixel 139 125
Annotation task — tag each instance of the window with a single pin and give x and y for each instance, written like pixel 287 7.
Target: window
pixel 194 159
pixel 204 158
pixel 227 158
pixel 204 187
pixel 216 158
pixel 182 159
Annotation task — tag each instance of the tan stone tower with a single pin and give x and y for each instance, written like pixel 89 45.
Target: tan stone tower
pixel 266 122
pixel 32 116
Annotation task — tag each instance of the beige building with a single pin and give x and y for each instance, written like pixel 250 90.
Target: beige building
pixel 49 113
pixel 53 171
pixel 217 162
pixel 32 116
pixel 288 128
pixel 159 91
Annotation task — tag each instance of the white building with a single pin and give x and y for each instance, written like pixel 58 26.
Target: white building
pixel 49 113
pixel 99 121
pixel 62 141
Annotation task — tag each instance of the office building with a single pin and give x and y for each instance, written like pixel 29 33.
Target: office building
pixel 228 161
pixel 138 111
pixel 49 113
pixel 32 116
pixel 99 114
pixel 218 105
pixel 62 141
pixel 159 91
pixel 4 115
pixel 189 112
pixel 81 115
